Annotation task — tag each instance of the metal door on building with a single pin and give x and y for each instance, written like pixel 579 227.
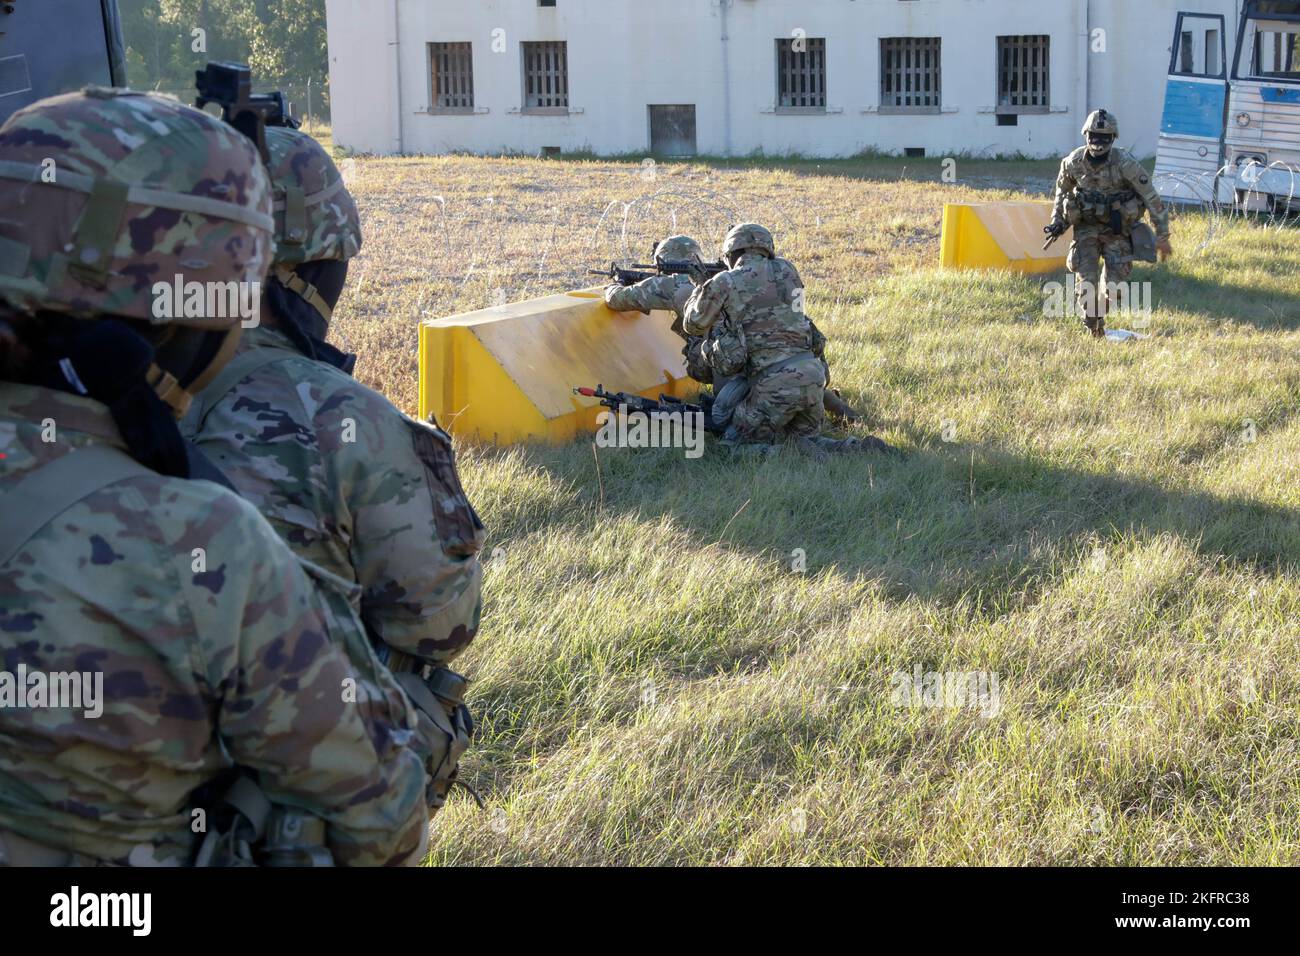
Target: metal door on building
pixel 56 46
pixel 672 130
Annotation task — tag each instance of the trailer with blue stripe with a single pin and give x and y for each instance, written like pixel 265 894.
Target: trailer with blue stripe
pixel 1230 132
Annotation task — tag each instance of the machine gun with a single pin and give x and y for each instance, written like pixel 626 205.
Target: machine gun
pixel 639 404
pixel 637 272
pixel 230 86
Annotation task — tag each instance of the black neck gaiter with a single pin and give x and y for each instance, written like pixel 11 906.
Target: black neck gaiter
pixel 300 321
pixel 108 361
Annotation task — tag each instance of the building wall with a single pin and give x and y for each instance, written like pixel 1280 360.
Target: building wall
pixel 720 56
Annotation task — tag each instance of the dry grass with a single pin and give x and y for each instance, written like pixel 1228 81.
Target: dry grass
pixel 655 683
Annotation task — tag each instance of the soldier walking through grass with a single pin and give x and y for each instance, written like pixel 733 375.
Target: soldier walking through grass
pixel 1103 192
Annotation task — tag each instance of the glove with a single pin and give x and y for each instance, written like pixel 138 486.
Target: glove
pixel 697 274
pixel 1164 248
pixel 1057 229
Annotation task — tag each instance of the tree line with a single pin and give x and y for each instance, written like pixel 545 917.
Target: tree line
pixel 283 41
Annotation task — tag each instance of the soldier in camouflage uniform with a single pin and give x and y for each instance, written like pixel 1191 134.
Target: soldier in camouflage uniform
pixel 755 328
pixel 351 483
pixel 1103 193
pixel 217 655
pixel 670 294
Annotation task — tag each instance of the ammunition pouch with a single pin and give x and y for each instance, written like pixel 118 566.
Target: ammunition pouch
pixel 1117 211
pixel 697 365
pixel 446 727
pixel 1072 210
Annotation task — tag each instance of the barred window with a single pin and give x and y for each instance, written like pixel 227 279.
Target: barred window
pixel 546 75
pixel 909 74
pixel 1024 74
pixel 452 66
pixel 801 73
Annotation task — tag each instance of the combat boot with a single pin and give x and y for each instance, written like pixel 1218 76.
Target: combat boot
pixel 837 407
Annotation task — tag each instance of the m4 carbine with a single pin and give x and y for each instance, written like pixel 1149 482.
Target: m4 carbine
pixel 637 272
pixel 230 86
pixel 639 404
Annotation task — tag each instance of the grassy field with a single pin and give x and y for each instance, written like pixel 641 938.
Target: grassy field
pixel 1112 531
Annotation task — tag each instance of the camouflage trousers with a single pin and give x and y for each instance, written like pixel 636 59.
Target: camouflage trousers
pixel 1091 252
pixel 784 401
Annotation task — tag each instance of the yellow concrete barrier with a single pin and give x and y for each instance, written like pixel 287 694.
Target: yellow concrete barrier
pixel 506 374
pixel 999 235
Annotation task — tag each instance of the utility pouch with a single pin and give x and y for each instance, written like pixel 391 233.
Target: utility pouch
pixel 446 728
pixel 1073 210
pixel 247 829
pixel 725 348
pixel 1143 238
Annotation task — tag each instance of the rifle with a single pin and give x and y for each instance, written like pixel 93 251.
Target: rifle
pixel 230 86
pixel 1053 235
pixel 664 405
pixel 637 272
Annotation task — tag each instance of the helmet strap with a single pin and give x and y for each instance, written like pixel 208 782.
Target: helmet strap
pixel 304 290
pixel 166 387
pixel 225 352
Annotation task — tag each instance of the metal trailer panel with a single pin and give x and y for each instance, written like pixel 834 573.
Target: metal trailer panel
pixel 57 46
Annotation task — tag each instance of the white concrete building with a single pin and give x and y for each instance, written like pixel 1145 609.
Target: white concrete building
pixel 735 77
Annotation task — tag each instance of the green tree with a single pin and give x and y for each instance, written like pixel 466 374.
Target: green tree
pixel 283 41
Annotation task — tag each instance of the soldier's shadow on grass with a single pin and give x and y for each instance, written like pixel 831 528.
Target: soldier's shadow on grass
pixel 942 522
pixel 1220 299
pixel 949 524
pixel 1224 299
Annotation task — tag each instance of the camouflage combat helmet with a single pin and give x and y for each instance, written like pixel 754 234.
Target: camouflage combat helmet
pixel 678 249
pixel 748 236
pixel 1100 125
pixel 107 192
pixel 315 216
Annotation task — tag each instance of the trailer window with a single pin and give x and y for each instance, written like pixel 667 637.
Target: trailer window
pixel 1198 49
pixel 1277 54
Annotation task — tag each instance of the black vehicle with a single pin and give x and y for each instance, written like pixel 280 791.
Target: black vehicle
pixel 56 46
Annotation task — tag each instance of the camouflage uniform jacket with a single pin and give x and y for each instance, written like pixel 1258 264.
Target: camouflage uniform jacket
pixel 762 298
pixel 669 293
pixel 1120 173
pixel 354 486
pixel 205 666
